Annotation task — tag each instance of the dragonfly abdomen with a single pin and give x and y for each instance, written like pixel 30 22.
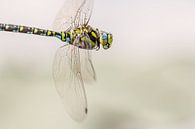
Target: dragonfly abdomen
pixel 28 30
pixel 67 37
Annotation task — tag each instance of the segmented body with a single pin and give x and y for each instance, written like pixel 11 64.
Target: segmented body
pixel 84 37
pixel 72 67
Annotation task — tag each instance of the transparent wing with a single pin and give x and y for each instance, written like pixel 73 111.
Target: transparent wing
pixel 72 14
pixel 83 14
pixel 87 11
pixel 69 83
pixel 65 17
pixel 87 68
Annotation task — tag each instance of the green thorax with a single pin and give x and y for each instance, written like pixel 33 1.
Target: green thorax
pixel 84 37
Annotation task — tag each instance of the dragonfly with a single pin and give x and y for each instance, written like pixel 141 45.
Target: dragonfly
pixel 72 66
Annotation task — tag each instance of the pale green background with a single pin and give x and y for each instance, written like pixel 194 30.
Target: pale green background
pixel 145 81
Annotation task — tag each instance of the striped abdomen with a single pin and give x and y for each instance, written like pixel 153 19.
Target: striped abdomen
pixel 28 30
pixel 85 38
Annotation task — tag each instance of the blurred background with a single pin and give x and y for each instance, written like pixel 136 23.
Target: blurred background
pixel 145 81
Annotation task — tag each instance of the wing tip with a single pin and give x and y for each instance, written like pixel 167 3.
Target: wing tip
pixel 80 118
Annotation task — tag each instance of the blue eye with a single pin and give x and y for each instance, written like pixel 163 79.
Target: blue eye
pixel 104 36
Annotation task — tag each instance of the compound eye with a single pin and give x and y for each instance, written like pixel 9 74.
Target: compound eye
pixel 104 36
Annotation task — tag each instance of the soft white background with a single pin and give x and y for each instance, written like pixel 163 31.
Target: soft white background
pixel 145 81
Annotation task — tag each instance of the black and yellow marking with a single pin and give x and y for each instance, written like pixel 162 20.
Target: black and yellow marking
pixel 54 33
pixel 88 36
pixel 110 39
pixel 68 34
pixel 77 31
pixel 11 28
pixel 21 28
pixel 35 31
pixel 93 36
pixel 63 36
pixel 24 29
pixel 49 33
pixel 31 30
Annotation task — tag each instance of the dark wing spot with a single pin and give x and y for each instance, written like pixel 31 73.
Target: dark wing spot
pixel 86 110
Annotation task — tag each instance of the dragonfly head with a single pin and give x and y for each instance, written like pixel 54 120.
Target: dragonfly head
pixel 106 39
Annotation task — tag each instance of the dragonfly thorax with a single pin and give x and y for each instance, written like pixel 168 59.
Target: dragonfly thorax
pixel 84 37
